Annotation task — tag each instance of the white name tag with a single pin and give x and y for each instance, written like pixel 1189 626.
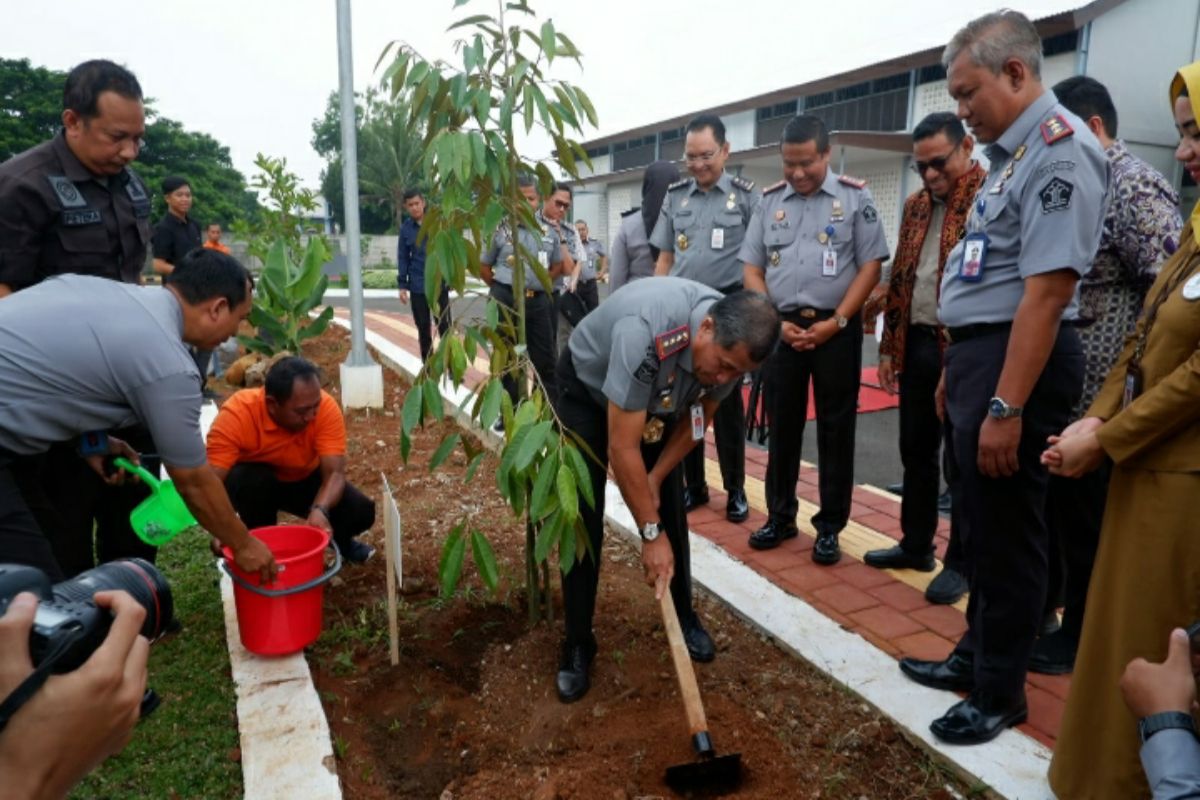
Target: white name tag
pixel 544 259
pixel 697 422
pixel 829 263
pixel 718 239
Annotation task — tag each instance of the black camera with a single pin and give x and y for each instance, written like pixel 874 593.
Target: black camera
pixel 68 624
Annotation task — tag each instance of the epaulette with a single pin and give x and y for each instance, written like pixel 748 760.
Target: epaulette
pixel 744 184
pixel 1056 128
pixel 857 183
pixel 631 211
pixel 671 342
pixel 774 187
pixel 679 184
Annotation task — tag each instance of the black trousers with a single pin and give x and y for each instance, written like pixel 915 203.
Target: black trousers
pixel 1074 514
pixel 21 539
pixel 729 432
pixel 422 318
pixel 85 520
pixel 580 413
pixel 539 336
pixel 258 497
pixel 835 370
pixel 1005 526
pixel 920 443
pixel 589 292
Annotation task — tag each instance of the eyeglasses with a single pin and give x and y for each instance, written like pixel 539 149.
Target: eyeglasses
pixel 702 158
pixel 936 164
pixel 563 204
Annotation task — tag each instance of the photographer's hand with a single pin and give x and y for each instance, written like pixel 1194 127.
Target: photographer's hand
pixel 1170 686
pixel 76 720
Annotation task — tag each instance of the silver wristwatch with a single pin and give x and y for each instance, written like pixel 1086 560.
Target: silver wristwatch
pixel 840 320
pixel 999 409
pixel 650 531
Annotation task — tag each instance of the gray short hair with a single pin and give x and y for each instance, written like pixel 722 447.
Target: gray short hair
pixel 994 38
pixel 748 318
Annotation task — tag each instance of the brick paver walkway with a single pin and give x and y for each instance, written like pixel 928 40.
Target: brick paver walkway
pixel 885 607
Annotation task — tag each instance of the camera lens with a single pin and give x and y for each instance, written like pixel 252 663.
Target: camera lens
pixel 134 575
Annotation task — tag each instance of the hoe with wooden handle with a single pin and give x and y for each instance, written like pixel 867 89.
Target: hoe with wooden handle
pixel 711 774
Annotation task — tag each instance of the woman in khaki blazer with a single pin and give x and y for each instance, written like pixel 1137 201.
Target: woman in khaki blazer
pixel 1146 579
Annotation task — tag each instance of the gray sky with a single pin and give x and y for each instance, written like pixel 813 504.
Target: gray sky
pixel 255 73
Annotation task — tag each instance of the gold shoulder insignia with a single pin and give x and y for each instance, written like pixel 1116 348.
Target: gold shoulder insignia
pixel 671 342
pixel 679 184
pixel 774 187
pixel 745 184
pixel 1056 128
pixel 857 183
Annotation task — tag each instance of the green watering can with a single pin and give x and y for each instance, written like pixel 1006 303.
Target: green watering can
pixel 160 516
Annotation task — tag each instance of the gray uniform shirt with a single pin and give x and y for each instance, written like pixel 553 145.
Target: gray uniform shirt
pixel 631 258
pixel 1042 209
pixel 792 236
pixel 81 353
pixel 544 244
pixel 621 351
pixel 1171 759
pixel 705 229
pixel 594 251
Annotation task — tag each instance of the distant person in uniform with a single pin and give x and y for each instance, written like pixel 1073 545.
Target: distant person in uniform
pixel 1014 367
pixel 594 268
pixel 553 214
pixel 640 380
pixel 816 246
pixel 910 352
pixel 633 256
pixel 699 230
pixel 212 238
pixel 410 274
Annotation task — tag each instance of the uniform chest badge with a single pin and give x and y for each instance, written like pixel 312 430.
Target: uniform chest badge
pixel 681 241
pixel 775 258
pixel 652 432
pixel 780 215
pixel 1191 289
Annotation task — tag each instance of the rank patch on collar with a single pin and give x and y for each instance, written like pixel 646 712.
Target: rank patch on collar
pixel 775 187
pixel 1056 128
pixel 1056 195
pixel 857 183
pixel 671 342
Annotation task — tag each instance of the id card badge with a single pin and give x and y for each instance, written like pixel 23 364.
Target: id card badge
pixel 697 412
pixel 544 259
pixel 829 263
pixel 974 257
pixel 1133 385
pixel 718 239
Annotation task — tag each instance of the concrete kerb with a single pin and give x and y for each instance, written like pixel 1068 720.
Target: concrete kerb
pixel 1014 765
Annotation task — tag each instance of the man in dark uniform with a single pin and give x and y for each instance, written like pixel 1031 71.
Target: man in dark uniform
pixel 815 245
pixel 498 264
pixel 701 225
pixel 74 205
pixel 639 380
pixel 410 274
pixel 1014 367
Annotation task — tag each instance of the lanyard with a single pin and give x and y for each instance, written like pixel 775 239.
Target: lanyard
pixel 1185 271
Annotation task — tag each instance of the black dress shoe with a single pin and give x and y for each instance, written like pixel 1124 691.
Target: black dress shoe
pixel 956 673
pixel 826 550
pixel 897 558
pixel 737 508
pixel 944 502
pixel 1050 624
pixel 772 535
pixel 980 718
pixel 572 681
pixel 694 497
pixel 699 644
pixel 1053 654
pixel 895 488
pixel 947 588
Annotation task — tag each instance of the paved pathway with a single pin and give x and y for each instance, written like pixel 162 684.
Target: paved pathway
pixel 885 607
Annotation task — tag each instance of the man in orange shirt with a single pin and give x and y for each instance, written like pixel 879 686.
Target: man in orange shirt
pixel 212 238
pixel 283 447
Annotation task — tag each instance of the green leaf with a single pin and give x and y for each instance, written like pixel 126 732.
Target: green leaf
pixel 276 267
pixel 493 313
pixel 306 279
pixel 433 400
pixel 549 41
pixel 317 326
pixel 539 100
pixel 491 403
pixel 458 359
pixel 473 466
pixel 451 564
pixel 568 500
pixel 586 103
pixel 506 410
pixel 583 478
pixel 528 107
pixel 566 546
pixel 547 536
pixel 443 452
pixel 485 560
pixel 541 486
pixel 405 446
pixel 473 20
pixel 410 414
pixel 532 445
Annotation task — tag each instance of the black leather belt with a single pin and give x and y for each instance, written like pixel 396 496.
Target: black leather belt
pixel 933 331
pixel 962 333
pixel 806 315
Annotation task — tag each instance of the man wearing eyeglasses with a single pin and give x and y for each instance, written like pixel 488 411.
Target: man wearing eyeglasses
pixel 700 228
pixel 910 353
pixel 72 204
pixel 816 246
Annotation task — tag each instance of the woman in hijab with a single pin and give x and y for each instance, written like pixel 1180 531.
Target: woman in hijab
pixel 632 255
pixel 1147 575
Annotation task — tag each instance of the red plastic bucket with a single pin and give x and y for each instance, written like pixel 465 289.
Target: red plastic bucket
pixel 284 617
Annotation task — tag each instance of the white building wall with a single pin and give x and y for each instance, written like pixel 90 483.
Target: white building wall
pixel 600 166
pixel 739 130
pixel 885 180
pixel 621 198
pixel 591 206
pixel 931 99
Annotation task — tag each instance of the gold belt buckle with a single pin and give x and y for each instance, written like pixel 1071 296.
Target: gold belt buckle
pixel 808 313
pixel 530 294
pixel 652 433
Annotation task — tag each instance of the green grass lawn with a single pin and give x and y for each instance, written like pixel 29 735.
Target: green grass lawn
pixel 188 747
